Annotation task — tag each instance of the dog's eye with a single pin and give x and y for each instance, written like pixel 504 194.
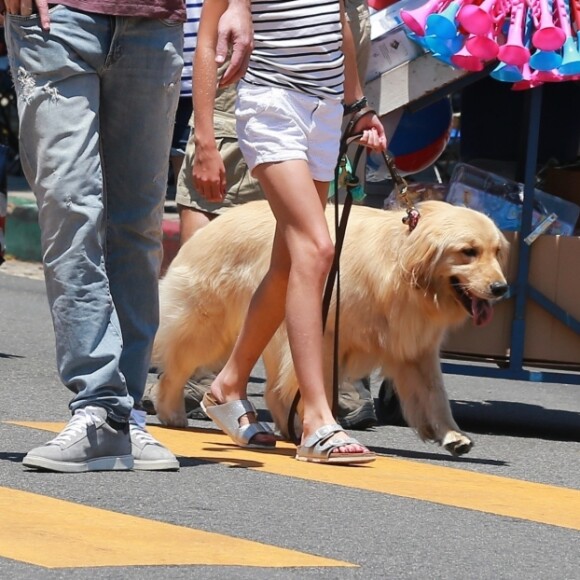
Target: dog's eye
pixel 469 252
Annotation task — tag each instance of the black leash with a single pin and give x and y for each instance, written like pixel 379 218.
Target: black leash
pixel 340 223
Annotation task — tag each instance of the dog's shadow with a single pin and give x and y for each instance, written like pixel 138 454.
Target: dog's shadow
pixel 443 456
pixel 491 417
pixel 500 418
pixel 517 420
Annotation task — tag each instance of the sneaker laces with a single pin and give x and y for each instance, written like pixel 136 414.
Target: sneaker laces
pixel 80 421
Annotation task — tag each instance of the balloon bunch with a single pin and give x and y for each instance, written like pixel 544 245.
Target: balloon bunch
pixel 535 41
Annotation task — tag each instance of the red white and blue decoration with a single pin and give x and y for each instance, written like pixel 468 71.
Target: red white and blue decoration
pixel 421 136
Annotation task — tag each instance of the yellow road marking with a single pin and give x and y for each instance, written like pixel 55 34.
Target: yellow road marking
pixel 501 496
pixel 54 533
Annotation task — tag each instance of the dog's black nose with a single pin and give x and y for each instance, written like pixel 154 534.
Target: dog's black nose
pixel 498 289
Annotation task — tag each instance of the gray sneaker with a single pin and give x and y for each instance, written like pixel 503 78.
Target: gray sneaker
pixel 356 407
pixel 148 453
pixel 193 392
pixel 87 443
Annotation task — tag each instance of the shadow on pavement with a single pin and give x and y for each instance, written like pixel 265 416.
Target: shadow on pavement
pixel 517 419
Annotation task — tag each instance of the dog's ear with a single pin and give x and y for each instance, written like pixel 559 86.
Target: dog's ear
pixel 421 252
pixel 504 250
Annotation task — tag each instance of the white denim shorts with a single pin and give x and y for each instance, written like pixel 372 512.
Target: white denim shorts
pixel 276 124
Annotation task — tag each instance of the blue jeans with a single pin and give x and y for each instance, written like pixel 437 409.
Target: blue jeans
pixel 96 101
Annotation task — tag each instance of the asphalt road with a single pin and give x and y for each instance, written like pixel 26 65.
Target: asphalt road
pixel 510 509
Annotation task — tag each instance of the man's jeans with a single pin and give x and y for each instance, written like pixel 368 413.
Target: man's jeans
pixel 96 100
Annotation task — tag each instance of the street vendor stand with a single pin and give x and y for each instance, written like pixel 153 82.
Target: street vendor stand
pixel 424 79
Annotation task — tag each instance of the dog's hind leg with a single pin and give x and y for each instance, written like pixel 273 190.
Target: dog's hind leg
pixel 170 405
pixel 425 405
pixel 193 345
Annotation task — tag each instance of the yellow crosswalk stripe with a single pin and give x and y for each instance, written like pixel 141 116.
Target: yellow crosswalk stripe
pixel 491 494
pixel 54 533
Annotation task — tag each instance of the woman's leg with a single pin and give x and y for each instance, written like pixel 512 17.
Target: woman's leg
pixel 299 212
pixel 265 314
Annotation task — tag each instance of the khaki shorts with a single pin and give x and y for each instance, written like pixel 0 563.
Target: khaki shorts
pixel 241 186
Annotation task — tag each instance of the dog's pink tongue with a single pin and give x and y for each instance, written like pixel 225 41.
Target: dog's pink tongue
pixel 482 311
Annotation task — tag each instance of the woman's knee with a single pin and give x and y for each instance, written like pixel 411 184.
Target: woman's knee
pixel 326 253
pixel 316 256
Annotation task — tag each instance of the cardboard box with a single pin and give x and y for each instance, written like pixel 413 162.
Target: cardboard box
pixel 565 183
pixel 390 50
pixel 390 45
pixel 548 342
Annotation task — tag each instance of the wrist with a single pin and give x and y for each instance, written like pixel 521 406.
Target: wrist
pixel 355 107
pixel 203 140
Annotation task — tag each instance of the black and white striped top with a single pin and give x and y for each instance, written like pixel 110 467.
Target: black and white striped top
pixel 297 45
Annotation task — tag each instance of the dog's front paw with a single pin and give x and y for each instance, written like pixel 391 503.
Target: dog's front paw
pixel 457 443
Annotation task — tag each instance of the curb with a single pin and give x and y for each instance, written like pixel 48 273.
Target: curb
pixel 22 233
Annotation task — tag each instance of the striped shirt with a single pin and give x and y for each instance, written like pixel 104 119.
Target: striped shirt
pixel 190 28
pixel 298 45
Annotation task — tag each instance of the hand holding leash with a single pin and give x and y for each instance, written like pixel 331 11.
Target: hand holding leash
pixel 366 128
pixel 368 139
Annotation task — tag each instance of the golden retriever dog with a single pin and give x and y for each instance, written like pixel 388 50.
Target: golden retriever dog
pixel 401 291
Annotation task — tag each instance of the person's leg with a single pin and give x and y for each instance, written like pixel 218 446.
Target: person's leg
pixel 301 220
pixel 58 90
pixel 59 109
pixel 190 221
pixel 135 177
pixel 356 406
pixel 301 259
pixel 306 240
pixel 265 314
pixel 102 347
pixel 147 76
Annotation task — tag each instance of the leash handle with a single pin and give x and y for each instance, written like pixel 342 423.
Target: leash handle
pixel 401 185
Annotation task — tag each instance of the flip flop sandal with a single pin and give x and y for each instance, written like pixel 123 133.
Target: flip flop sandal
pixel 227 415
pixel 318 449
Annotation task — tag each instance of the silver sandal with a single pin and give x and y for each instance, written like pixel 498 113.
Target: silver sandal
pixel 318 449
pixel 227 417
